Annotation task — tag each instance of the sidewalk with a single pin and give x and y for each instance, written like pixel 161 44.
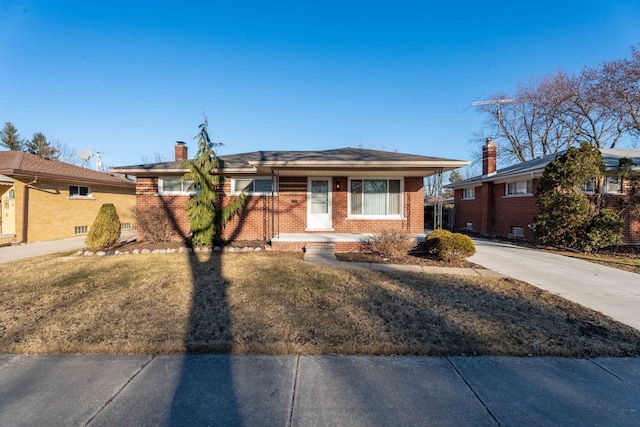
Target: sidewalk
pixel 102 390
pixel 29 250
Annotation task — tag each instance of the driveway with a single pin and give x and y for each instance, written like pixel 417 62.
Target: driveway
pixel 29 250
pixel 613 292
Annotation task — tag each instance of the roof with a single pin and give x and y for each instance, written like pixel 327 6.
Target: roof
pixel 535 168
pixel 18 163
pixel 304 162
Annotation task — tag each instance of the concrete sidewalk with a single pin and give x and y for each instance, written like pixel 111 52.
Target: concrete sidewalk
pixel 30 250
pixel 102 390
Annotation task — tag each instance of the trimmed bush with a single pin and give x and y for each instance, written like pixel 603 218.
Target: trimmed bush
pixel 449 246
pixel 392 244
pixel 104 234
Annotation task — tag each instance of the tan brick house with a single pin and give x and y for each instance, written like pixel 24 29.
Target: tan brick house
pixel 299 197
pixel 42 199
pixel 502 202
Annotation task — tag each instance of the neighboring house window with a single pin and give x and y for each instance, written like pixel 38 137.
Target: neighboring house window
pixel 78 191
pixel 518 188
pixel 81 229
pixel 589 187
pixel 125 225
pixel 613 185
pixel 375 197
pixel 468 226
pixel 517 231
pixel 174 187
pixel 468 193
pixel 251 185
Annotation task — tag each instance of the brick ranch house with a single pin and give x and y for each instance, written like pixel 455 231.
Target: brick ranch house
pixel 42 199
pixel 299 197
pixel 502 202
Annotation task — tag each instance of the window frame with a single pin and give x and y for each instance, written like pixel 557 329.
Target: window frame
pixel 78 195
pixel 272 183
pixel 351 215
pixel 184 186
pixel 528 183
pixel 466 196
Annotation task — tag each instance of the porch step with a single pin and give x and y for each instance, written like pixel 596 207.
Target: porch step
pixel 326 251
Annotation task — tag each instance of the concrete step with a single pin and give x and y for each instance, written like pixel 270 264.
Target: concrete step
pixel 326 250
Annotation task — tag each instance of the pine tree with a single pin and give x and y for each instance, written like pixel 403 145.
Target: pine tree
pixel 205 219
pixel 40 146
pixel 10 139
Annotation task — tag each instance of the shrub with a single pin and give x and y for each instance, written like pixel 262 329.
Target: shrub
pixel 105 231
pixel 155 224
pixel 605 230
pixel 449 246
pixel 392 244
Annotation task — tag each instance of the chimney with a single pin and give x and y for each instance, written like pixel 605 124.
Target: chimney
pixel 488 158
pixel 181 151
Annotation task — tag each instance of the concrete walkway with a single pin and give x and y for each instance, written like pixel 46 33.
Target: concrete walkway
pixel 101 390
pixel 30 250
pixel 613 292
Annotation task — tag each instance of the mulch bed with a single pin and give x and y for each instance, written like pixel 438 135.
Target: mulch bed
pixel 415 259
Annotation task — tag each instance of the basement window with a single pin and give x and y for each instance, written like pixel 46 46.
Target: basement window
pixel 468 226
pixel 81 229
pixel 79 191
pixel 125 226
pixel 517 231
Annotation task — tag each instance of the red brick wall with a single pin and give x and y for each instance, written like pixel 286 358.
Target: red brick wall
pixel 261 217
pixel 520 211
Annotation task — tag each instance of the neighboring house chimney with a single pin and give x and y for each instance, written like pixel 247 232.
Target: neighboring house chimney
pixel 488 158
pixel 181 151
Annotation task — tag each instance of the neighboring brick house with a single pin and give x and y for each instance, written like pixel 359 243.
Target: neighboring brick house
pixel 502 202
pixel 42 199
pixel 297 197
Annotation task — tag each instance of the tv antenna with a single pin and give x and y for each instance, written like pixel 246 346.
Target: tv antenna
pixel 85 155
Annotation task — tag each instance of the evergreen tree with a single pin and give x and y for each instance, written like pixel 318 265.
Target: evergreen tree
pixel 40 146
pixel 10 139
pixel 205 218
pixel 567 216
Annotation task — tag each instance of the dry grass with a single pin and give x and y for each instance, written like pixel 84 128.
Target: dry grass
pixel 627 262
pixel 274 303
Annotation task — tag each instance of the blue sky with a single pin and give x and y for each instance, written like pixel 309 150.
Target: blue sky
pixel 131 78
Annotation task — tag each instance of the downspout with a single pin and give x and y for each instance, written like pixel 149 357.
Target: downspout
pixel 273 220
pixel 25 210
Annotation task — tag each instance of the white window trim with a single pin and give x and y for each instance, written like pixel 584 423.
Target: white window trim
pixel 161 191
pixel 469 198
pixel 351 216
pixel 89 195
pixel 235 192
pixel 506 189
pixel 620 185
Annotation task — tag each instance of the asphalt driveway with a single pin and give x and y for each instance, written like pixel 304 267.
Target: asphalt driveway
pixel 613 292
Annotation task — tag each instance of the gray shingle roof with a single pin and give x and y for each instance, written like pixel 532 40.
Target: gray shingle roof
pixel 610 157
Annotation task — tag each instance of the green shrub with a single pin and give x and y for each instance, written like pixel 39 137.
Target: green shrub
pixel 449 246
pixel 155 224
pixel 605 230
pixel 105 232
pixel 392 244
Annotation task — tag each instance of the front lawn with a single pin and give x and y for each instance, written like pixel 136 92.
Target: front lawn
pixel 274 303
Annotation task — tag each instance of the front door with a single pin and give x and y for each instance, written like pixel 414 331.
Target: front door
pixel 319 204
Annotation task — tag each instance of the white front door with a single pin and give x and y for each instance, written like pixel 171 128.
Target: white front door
pixel 319 204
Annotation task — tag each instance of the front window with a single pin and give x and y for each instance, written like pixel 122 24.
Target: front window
pixel 375 197
pixel 589 186
pixel 251 185
pixel 518 188
pixel 78 191
pixel 174 187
